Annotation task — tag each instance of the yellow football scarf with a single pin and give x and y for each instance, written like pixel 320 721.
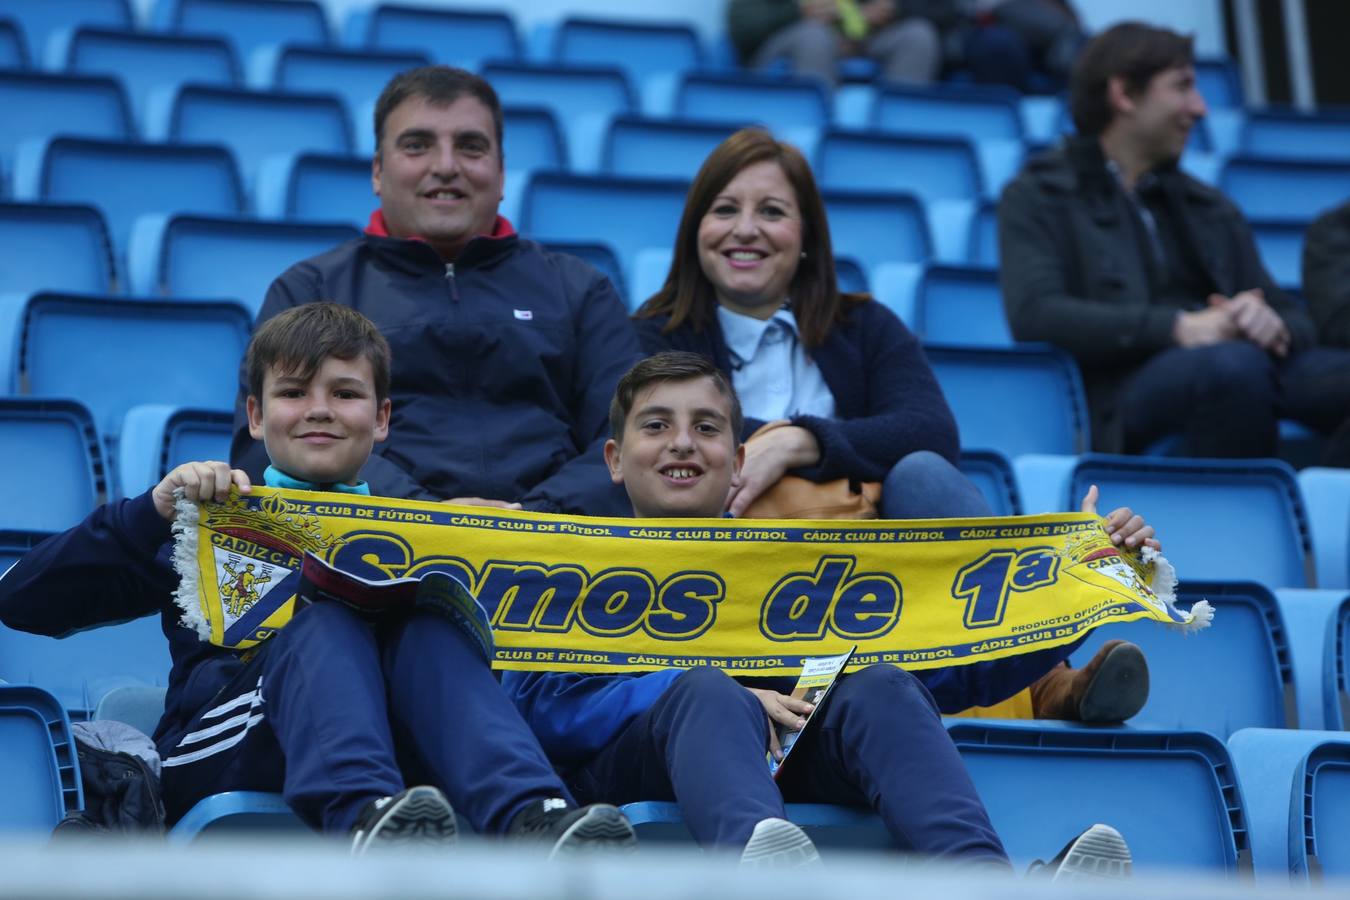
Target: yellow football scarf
pixel 587 594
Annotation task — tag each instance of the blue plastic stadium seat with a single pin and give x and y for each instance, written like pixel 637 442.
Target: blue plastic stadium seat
pixel 251 24
pixel 324 188
pixel 961 307
pixel 234 812
pixel 1235 674
pixel 849 275
pixel 657 148
pixel 156 438
pixel 193 248
pixel 584 100
pixel 40 778
pixel 54 247
pixel 38 20
pixel 932 168
pixel 642 50
pixel 1284 189
pixel 357 76
pixel 53 448
pixel 982 244
pixel 746 98
pixel 561 207
pixel 1194 502
pixel 458 37
pixel 1296 785
pixel 984 113
pixel 39 106
pixel 1326 492
pixel 532 140
pixel 1318 625
pixel 1171 794
pixel 1280 244
pixel 1219 84
pixel 828 826
pixel 115 354
pixel 140 706
pixel 991 472
pixel 875 227
pixel 80 669
pixel 13 50
pixel 601 256
pixel 256 125
pixel 128 180
pixel 1294 135
pixel 148 62
pixel 1024 399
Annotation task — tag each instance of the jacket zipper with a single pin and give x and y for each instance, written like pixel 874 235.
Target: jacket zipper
pixel 450 277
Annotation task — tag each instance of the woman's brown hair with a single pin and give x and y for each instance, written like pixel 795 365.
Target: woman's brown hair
pixel 688 296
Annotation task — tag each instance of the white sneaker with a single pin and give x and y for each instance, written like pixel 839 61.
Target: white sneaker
pixel 1096 854
pixel 779 844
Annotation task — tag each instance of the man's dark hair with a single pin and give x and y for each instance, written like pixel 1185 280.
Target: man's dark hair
pixel 297 342
pixel 671 365
pixel 1132 51
pixel 440 86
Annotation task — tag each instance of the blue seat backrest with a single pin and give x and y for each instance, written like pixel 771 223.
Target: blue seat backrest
pixel 1229 676
pixel 982 248
pixel 568 92
pixel 650 148
pixel 640 49
pixel 1190 502
pixel 745 99
pixel 1284 189
pixel 974 114
pixel 464 38
pixel 357 77
pixel 1281 247
pixel 849 275
pixel 959 306
pixel 326 188
pixel 54 247
pixel 603 258
pixel 44 106
pixel 126 180
pixel 1291 135
pixel 875 227
pixel 1026 399
pixel 255 125
pixel 1043 784
pixel 38 19
pixel 991 472
pixel 52 446
pixel 13 50
pixel 532 139
pixel 146 62
pixel 250 24
pixel 40 779
pixel 1219 83
pixel 190 259
pixel 114 354
pixel 932 168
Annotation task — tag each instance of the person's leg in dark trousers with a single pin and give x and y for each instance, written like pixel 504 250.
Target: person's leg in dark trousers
pixel 1224 399
pixel 324 693
pixel 1316 385
pixel 701 744
pixel 451 717
pixel 881 744
pixel 923 485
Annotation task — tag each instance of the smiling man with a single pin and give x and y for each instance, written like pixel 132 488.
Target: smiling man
pixel 505 354
pixel 1150 278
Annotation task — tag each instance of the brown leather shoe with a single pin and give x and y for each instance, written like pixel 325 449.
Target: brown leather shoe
pixel 1112 687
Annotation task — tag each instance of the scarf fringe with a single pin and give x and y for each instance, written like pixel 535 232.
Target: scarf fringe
pixel 1164 584
pixel 187 596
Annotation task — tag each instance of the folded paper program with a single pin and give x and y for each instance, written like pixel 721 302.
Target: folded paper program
pixel 624 595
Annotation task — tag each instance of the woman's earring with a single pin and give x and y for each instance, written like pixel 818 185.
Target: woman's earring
pixel 803 254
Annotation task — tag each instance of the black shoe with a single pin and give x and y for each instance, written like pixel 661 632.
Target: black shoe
pixel 416 817
pixel 571 831
pixel 1100 853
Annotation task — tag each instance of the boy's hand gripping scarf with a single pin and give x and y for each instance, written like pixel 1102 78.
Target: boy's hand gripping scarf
pixel 623 595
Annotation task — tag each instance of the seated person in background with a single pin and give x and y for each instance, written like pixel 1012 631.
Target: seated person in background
pixel 1150 278
pixel 1326 287
pixel 903 36
pixel 699 737
pixel 337 714
pixel 844 384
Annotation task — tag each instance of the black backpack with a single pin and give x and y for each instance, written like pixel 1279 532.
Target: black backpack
pixel 121 794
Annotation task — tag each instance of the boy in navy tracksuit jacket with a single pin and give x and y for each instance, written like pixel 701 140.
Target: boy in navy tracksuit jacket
pixel 699 737
pixel 336 713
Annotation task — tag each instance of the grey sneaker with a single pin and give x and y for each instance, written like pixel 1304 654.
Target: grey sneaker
pixel 779 844
pixel 574 831
pixel 416 817
pixel 1096 854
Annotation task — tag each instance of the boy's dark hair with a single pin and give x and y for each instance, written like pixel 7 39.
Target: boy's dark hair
pixel 1132 51
pixel 671 365
pixel 299 340
pixel 440 86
